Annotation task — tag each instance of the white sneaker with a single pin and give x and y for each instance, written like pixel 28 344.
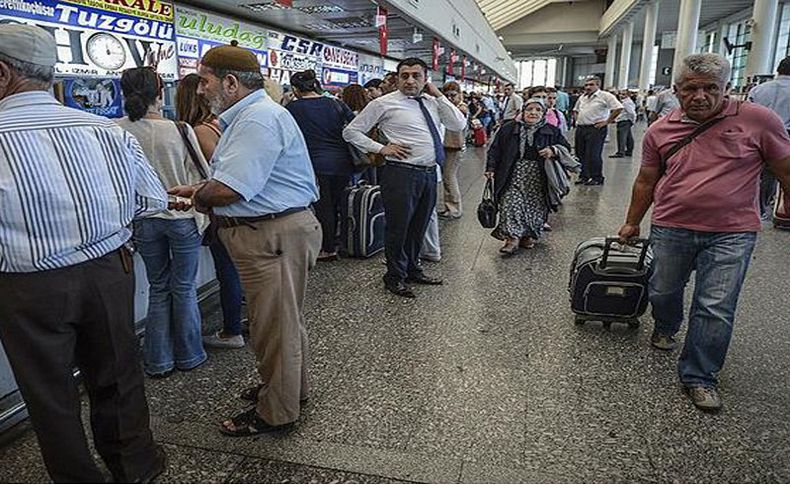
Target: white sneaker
pixel 216 341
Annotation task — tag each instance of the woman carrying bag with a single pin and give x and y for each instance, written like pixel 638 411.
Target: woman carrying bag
pixel 169 242
pixel 194 110
pixel 453 144
pixel 523 163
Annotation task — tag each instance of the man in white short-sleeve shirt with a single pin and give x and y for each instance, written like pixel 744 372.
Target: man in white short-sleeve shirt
pixel 595 111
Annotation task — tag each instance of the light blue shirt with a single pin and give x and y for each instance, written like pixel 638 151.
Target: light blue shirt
pixel 775 95
pixel 563 101
pixel 70 184
pixel 262 156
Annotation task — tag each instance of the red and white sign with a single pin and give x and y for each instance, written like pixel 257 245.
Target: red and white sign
pixel 340 58
pixel 436 53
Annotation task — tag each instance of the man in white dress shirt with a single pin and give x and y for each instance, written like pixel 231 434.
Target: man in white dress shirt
pixel 511 106
pixel 595 111
pixel 412 120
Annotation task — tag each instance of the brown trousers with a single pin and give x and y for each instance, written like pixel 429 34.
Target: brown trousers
pixel 273 258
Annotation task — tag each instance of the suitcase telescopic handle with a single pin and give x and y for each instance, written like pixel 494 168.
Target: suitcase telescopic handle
pixel 634 242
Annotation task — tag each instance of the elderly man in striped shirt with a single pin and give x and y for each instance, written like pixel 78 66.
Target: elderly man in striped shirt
pixel 70 185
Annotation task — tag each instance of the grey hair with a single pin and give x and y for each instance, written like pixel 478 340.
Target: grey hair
pixel 593 78
pixel 707 64
pixel 248 79
pixel 42 75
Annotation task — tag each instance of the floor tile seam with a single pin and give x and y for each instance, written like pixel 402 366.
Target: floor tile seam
pixel 318 467
pixel 232 474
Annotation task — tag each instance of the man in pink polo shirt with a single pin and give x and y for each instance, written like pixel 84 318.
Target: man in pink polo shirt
pixel 706 216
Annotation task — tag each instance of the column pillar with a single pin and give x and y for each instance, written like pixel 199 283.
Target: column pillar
pixel 648 44
pixel 611 54
pixel 625 56
pixel 688 25
pixel 763 34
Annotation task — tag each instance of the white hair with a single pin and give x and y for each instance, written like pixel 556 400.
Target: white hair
pixel 713 65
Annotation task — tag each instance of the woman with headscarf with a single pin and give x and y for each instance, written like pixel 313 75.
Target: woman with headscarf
pixel 524 190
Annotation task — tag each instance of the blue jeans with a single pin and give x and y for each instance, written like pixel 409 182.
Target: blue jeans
pixel 229 288
pixel 170 251
pixel 720 260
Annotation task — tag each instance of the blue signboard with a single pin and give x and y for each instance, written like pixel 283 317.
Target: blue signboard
pixel 338 77
pixel 98 96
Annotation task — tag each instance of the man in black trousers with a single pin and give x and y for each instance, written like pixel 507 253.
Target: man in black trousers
pixel 594 112
pixel 71 184
pixel 411 118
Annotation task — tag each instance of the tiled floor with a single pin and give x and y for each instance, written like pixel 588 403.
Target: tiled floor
pixel 487 379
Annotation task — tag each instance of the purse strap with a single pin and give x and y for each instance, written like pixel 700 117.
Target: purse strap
pixel 488 190
pixel 182 130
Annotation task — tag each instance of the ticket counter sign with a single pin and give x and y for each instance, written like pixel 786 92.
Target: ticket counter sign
pixel 338 77
pixel 98 43
pixel 198 31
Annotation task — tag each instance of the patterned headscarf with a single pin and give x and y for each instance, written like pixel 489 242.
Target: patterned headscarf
pixel 528 131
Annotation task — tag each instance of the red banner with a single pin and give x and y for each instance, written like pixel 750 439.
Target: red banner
pixel 381 13
pixel 436 47
pixel 463 67
pixel 451 64
pixel 286 3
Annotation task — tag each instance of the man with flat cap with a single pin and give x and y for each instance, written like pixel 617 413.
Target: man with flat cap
pixel 261 188
pixel 70 185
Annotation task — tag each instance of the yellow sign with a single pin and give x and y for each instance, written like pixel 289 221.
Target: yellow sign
pixel 149 9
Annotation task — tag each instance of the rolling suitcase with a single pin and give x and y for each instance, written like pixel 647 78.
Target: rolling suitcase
pixel 362 222
pixel 608 281
pixel 781 215
pixel 480 137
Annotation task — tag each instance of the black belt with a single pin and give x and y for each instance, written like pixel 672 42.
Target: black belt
pixel 420 168
pixel 225 221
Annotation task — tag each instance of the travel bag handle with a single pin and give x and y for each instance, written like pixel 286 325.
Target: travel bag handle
pixel 636 241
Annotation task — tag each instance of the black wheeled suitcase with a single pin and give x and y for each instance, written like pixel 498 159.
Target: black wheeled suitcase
pixel 362 225
pixel 608 281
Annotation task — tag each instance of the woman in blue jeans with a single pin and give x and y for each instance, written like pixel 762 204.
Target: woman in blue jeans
pixel 169 242
pixel 193 109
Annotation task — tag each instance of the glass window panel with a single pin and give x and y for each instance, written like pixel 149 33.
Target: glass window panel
pixel 539 76
pixel 551 72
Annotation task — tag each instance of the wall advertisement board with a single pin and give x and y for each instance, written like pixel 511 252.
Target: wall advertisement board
pixel 99 43
pixel 370 67
pixel 199 31
pixel 95 95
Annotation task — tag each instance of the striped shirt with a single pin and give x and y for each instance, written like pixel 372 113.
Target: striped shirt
pixel 70 184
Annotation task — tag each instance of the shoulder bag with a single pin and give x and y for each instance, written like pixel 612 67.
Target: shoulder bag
pixel 359 159
pixel 210 235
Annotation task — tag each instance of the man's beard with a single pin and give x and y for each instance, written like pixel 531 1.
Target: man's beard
pixel 219 104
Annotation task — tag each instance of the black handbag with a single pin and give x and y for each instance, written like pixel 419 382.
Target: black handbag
pixel 487 210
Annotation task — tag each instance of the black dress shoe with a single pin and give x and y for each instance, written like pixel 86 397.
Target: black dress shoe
pixel 582 181
pixel 400 289
pixel 423 279
pixel 616 155
pixel 593 182
pixel 159 465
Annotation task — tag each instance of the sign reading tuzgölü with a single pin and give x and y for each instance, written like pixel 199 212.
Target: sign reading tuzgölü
pixel 199 31
pixel 101 38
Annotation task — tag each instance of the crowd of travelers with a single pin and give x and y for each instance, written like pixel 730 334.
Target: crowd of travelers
pixel 259 178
